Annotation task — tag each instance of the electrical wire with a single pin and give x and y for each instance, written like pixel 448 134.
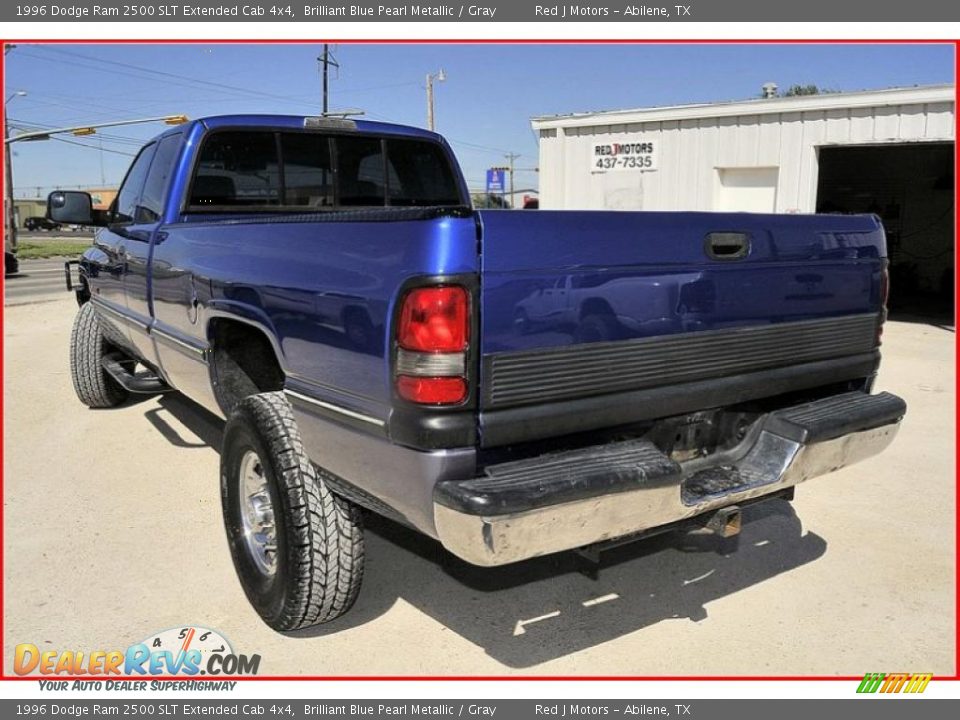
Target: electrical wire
pixel 92 147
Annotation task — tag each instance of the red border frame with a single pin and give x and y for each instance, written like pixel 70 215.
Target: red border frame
pixel 373 41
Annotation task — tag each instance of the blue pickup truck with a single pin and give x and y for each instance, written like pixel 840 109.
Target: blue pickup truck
pixel 512 384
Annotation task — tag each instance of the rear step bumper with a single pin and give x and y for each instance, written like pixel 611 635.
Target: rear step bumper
pixel 568 500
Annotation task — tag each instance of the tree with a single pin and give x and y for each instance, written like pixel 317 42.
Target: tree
pixel 797 90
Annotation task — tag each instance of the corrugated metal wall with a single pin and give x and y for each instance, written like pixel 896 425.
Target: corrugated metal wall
pixel 693 151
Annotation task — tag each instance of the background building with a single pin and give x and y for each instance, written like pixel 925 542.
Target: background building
pixel 889 152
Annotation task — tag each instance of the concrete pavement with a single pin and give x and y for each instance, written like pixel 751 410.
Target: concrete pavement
pixel 113 531
pixel 37 281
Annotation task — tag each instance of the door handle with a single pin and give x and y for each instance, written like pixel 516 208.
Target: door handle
pixel 727 245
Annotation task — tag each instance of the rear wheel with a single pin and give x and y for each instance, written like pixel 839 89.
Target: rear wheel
pixel 88 346
pixel 297 548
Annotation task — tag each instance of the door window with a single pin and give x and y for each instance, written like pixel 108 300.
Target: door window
pixel 150 207
pixel 126 203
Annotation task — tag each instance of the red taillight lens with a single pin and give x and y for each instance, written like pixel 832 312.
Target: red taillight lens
pixel 432 390
pixel 434 319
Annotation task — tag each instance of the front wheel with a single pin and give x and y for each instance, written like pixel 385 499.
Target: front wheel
pixel 88 346
pixel 297 548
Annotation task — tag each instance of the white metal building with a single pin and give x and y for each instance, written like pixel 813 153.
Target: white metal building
pixel 884 151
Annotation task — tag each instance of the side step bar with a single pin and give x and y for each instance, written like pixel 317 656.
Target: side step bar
pixel 142 382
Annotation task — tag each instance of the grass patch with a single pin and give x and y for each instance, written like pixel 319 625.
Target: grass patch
pixel 33 250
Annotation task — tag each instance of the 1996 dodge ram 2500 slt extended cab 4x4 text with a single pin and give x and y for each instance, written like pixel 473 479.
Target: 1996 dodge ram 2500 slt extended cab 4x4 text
pixel 511 384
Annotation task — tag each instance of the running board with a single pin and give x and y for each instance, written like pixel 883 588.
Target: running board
pixel 145 381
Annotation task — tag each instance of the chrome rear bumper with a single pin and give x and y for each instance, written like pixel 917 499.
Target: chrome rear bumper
pixel 787 448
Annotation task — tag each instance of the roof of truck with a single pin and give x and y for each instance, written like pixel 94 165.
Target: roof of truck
pixel 313 121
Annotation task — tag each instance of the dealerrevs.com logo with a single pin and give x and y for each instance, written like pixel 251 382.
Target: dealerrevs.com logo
pixel 189 651
pixel 894 682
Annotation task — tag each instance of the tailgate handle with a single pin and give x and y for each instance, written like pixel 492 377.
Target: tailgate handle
pixel 727 245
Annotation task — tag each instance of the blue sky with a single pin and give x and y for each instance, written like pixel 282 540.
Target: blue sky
pixel 483 108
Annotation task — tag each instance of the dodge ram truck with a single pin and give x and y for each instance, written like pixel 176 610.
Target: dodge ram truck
pixel 375 344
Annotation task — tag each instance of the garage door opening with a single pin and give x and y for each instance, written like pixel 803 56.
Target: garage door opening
pixel 911 188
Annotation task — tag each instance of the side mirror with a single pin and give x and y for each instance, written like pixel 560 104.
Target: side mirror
pixel 70 207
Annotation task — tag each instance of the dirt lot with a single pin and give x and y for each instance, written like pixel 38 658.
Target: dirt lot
pixel 113 532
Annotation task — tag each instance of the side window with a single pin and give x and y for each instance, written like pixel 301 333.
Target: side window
pixel 237 169
pixel 360 171
pixel 307 172
pixel 126 202
pixel 150 207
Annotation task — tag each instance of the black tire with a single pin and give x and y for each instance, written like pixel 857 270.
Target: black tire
pixel 597 328
pixel 11 265
pixel 94 387
pixel 317 565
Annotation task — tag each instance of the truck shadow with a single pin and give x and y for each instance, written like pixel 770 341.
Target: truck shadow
pixel 543 609
pixel 540 610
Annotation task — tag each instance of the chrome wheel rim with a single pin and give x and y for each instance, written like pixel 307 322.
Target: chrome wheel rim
pixel 256 512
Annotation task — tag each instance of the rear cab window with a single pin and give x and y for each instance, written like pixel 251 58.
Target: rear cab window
pixel 302 171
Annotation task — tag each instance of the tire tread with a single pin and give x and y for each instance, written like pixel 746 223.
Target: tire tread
pixel 94 387
pixel 325 549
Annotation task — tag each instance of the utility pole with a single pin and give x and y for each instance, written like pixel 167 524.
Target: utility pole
pixel 10 222
pixel 511 157
pixel 439 77
pixel 326 60
pixel 9 206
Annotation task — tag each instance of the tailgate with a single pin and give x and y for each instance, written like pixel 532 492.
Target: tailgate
pixel 594 319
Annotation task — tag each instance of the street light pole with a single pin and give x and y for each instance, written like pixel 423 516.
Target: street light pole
pixel 9 207
pixel 92 129
pixel 439 77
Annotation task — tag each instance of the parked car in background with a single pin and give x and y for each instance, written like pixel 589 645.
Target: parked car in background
pixel 40 223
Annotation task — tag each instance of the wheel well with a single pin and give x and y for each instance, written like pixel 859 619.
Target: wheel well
pixel 595 306
pixel 243 362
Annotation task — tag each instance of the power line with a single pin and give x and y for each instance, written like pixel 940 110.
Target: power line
pixel 138 76
pixel 191 81
pixel 91 147
pixel 117 139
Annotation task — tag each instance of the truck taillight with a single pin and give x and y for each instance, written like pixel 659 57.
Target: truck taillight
pixel 434 319
pixel 433 332
pixel 432 391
